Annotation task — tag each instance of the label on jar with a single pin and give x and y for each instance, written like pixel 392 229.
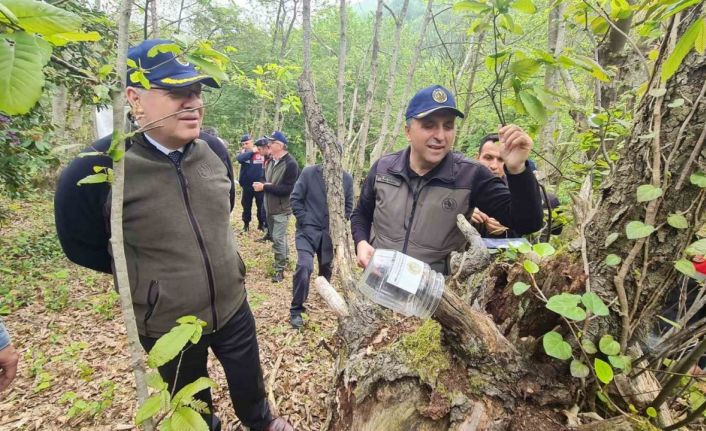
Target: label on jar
pixel 406 273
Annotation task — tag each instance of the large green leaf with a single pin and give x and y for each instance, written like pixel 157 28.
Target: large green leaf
pixel 677 221
pixel 525 6
pixel 697 248
pixel 207 67
pixel 555 346
pixel 187 419
pixel 61 39
pixel 524 69
pixel 543 249
pixel 608 345
pixel 147 410
pixel 594 304
pixel 170 344
pixel 682 48
pixel 43 18
pixel 566 304
pixel 22 57
pixel 183 397
pixel 698 179
pixel 648 192
pixel 530 266
pixel 533 106
pixel 471 6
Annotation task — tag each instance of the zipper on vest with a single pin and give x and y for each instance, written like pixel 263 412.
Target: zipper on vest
pixel 411 215
pixel 202 246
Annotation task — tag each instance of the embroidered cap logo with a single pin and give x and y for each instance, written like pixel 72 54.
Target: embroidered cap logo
pixel 439 96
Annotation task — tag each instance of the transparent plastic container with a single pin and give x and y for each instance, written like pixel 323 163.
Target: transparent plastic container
pixel 402 283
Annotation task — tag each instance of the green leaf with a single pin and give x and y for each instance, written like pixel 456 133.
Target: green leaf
pixel 648 192
pixel 700 42
pixel 138 76
pixel 678 7
pixel 621 362
pixel 594 304
pixel 543 249
pixel 184 396
pixel 43 18
pixel 169 345
pixel 610 239
pixel 519 288
pixel 687 268
pixel 533 106
pixel 697 248
pixel 677 221
pixel 524 69
pixel 651 412
pixel 187 419
pixel 471 6
pixel 93 179
pixel 22 57
pixel 524 248
pixel 612 260
pixel 555 346
pixel 599 25
pixel 530 267
pixel 164 47
pixel 578 369
pixel 6 15
pixel 525 6
pixel 566 304
pixel 588 346
pixel 698 179
pixel 637 229
pixel 682 48
pixel 604 371
pixel 676 103
pixel 608 345
pixel 147 410
pixel 61 39
pixel 154 380
pixel 187 319
pixel 207 67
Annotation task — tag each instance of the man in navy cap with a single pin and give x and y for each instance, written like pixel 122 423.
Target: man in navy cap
pixel 280 175
pixel 181 255
pixel 251 170
pixel 410 199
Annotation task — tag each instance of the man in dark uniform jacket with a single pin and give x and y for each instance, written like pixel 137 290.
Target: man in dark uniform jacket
pixel 410 199
pixel 251 170
pixel 310 208
pixel 181 255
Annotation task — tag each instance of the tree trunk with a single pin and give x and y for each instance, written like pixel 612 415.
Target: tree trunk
pixel 474 63
pixel 116 213
pixel 154 33
pixel 341 77
pixel 58 111
pixel 310 146
pixel 369 94
pixel 399 118
pixel 391 80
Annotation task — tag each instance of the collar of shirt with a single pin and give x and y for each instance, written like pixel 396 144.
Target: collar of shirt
pixel 161 147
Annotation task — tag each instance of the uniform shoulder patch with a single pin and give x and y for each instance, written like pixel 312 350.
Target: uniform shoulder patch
pixel 388 179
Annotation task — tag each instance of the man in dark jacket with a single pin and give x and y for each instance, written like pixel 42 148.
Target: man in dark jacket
pixel 181 255
pixel 280 175
pixel 410 199
pixel 251 170
pixel 310 208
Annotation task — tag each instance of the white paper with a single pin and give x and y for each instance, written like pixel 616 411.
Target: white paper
pixel 406 273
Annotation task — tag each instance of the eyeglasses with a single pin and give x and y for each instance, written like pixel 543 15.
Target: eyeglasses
pixel 183 92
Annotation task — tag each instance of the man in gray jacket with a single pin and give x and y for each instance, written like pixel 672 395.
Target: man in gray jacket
pixel 181 256
pixel 310 207
pixel 280 175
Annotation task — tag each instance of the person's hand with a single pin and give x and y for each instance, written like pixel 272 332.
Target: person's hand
pixel 364 252
pixel 479 217
pixel 494 227
pixel 258 186
pixel 515 149
pixel 8 366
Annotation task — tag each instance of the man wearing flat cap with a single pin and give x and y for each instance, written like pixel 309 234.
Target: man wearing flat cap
pixel 251 169
pixel 410 199
pixel 280 175
pixel 181 255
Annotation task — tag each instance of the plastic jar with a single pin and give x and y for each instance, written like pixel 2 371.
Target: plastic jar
pixel 402 283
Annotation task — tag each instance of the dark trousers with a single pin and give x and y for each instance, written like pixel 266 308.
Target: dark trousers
pixel 302 276
pixel 248 195
pixel 235 346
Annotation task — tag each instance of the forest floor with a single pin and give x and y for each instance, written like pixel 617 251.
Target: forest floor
pixel 74 372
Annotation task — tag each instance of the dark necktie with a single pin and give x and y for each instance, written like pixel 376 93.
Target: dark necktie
pixel 175 157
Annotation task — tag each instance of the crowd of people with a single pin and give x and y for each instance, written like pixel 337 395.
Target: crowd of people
pixel 180 190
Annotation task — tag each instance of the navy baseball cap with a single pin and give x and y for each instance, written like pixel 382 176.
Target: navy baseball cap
pixel 262 142
pixel 164 69
pixel 278 136
pixel 246 137
pixel 431 99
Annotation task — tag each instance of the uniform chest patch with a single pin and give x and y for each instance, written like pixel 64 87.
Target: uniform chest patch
pixel 205 170
pixel 388 179
pixel 449 204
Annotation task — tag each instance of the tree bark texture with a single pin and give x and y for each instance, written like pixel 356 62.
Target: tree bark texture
pixel 341 77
